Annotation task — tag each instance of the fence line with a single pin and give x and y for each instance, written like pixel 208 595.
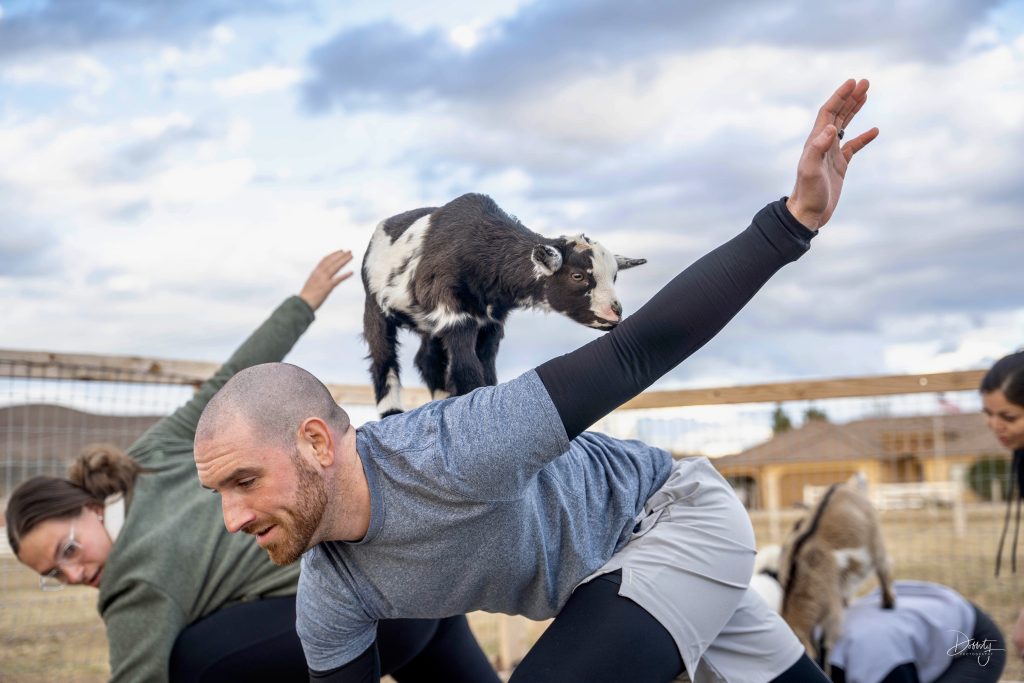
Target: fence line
pixel 92 367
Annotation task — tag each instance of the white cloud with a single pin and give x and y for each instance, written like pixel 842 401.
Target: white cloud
pixel 257 81
pixel 80 73
pixel 956 343
pixel 465 36
pixel 176 60
pixel 196 183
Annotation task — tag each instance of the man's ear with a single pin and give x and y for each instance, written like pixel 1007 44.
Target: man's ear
pixel 315 436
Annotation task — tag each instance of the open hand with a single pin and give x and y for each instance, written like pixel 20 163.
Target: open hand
pixel 823 164
pixel 325 278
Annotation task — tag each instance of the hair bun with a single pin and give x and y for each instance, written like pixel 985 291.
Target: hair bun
pixel 104 469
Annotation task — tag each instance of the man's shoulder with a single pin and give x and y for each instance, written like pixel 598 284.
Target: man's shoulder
pixel 324 563
pixel 316 559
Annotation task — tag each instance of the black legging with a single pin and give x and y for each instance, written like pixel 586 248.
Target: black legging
pixel 601 636
pixel 256 642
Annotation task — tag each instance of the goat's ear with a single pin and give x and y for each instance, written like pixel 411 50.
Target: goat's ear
pixel 547 258
pixel 626 262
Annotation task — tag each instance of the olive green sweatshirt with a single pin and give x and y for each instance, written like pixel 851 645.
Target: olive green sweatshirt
pixel 173 561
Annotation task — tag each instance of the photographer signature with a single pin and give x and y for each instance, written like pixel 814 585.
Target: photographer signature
pixel 968 647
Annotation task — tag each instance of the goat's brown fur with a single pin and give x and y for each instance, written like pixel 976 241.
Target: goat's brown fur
pixel 829 553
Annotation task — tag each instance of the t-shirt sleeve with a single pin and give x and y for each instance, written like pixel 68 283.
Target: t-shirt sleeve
pixel 331 623
pixel 494 440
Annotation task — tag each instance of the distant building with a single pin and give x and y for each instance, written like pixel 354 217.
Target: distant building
pixel 931 450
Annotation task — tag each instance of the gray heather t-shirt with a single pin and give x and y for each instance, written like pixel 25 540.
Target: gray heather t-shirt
pixel 478 503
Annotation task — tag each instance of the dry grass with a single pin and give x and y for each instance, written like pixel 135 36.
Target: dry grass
pixel 48 637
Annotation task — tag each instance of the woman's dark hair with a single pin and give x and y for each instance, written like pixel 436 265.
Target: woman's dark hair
pixel 100 470
pixel 1007 376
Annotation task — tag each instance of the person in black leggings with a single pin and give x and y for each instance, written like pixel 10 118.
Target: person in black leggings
pixel 236 644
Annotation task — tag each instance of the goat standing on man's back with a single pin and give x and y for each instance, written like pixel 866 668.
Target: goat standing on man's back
pixel 454 273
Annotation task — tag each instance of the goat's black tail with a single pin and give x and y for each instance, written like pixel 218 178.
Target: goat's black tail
pixel 381 334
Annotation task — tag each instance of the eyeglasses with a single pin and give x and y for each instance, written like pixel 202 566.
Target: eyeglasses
pixel 70 552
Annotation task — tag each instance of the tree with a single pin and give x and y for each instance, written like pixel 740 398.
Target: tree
pixel 983 472
pixel 780 420
pixel 815 414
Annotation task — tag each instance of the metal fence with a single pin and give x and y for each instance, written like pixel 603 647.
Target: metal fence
pixel 934 472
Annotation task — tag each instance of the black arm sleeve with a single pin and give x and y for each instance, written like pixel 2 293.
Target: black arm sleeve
pixel 363 669
pixel 597 378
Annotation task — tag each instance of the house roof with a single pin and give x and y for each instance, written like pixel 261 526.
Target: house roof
pixel 819 441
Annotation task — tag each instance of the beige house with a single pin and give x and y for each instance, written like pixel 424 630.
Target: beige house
pixel 931 450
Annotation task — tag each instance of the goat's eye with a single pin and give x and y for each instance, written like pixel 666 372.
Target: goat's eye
pixel 578 277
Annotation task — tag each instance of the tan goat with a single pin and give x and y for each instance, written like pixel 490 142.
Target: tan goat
pixel 829 553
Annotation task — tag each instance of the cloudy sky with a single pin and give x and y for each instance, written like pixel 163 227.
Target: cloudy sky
pixel 171 169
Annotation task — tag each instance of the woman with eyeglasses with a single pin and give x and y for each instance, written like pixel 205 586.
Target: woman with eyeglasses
pixel 1002 395
pixel 181 598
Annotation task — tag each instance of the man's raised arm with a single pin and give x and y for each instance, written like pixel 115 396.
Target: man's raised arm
pixel 589 383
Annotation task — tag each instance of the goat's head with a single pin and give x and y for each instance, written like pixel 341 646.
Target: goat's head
pixel 580 279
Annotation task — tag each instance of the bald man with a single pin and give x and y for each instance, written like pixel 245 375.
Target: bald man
pixel 499 501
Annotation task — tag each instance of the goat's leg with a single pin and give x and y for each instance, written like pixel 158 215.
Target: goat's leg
pixel 812 592
pixel 432 362
pixel 883 571
pixel 831 629
pixel 464 370
pixel 802 614
pixel 381 334
pixel 487 342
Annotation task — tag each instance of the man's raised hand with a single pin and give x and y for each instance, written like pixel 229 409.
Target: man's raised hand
pixel 823 163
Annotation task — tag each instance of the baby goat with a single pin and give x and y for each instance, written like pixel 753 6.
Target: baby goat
pixel 454 273
pixel 829 553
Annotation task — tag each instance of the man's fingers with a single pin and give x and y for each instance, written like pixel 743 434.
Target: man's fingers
pixel 853 104
pixel 821 142
pixel 858 143
pixel 845 120
pixel 834 105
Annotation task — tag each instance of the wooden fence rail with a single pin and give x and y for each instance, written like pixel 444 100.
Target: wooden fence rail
pixel 99 367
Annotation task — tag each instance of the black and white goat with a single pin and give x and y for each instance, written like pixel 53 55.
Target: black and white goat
pixel 454 273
